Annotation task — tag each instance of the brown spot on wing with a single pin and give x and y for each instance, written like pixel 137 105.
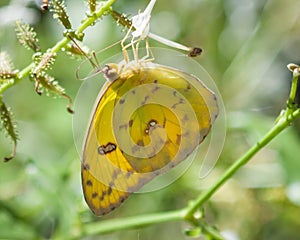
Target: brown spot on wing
pixel 86 166
pixel 140 143
pixel 130 122
pixel 104 149
pixel 89 183
pixel 145 100
pixel 185 118
pixel 94 195
pixel 123 126
pixel 178 139
pixel 179 102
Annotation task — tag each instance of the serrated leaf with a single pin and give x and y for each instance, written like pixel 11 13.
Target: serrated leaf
pixel 59 12
pixel 27 36
pixel 47 83
pixel 6 67
pixel 122 19
pixel 92 5
pixel 8 125
pixel 43 62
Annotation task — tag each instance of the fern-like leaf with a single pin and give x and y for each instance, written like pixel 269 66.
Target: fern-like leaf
pixel 8 125
pixel 6 67
pixel 27 36
pixel 122 19
pixel 59 12
pixel 92 4
pixel 46 83
pixel 43 62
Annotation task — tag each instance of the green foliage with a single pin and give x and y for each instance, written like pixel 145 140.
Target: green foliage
pixel 121 19
pixel 92 5
pixel 7 71
pixel 246 48
pixel 27 36
pixel 43 62
pixel 8 125
pixel 59 12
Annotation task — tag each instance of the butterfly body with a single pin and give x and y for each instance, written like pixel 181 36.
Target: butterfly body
pixel 147 120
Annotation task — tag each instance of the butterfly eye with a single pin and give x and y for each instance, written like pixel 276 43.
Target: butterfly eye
pixel 110 72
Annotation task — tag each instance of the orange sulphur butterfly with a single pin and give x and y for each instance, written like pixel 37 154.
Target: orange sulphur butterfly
pixel 148 119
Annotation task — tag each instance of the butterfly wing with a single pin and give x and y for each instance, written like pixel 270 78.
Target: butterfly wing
pixel 146 122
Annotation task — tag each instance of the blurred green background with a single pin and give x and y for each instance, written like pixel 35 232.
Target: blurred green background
pixel 247 45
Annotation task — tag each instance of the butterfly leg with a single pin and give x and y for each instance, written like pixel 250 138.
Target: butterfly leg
pixel 124 47
pixel 149 54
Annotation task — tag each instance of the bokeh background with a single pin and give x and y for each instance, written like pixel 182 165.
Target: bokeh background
pixel 247 45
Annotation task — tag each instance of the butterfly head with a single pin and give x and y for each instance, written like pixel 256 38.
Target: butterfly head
pixel 110 72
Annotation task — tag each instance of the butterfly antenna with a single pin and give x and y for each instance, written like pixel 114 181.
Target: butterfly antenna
pixel 96 66
pixel 110 46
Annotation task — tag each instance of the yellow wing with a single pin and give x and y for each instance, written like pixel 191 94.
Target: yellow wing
pixel 146 122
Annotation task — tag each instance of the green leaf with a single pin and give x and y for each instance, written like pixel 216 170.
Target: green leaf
pixel 6 67
pixel 47 83
pixel 122 19
pixel 27 36
pixel 59 12
pixel 8 125
pixel 92 5
pixel 43 62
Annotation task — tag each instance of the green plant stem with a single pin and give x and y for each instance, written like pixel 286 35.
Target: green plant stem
pixel 59 45
pixel 281 125
pixel 291 105
pixel 285 119
pixel 131 222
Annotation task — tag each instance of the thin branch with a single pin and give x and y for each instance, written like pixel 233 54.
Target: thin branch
pixel 278 128
pixel 130 222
